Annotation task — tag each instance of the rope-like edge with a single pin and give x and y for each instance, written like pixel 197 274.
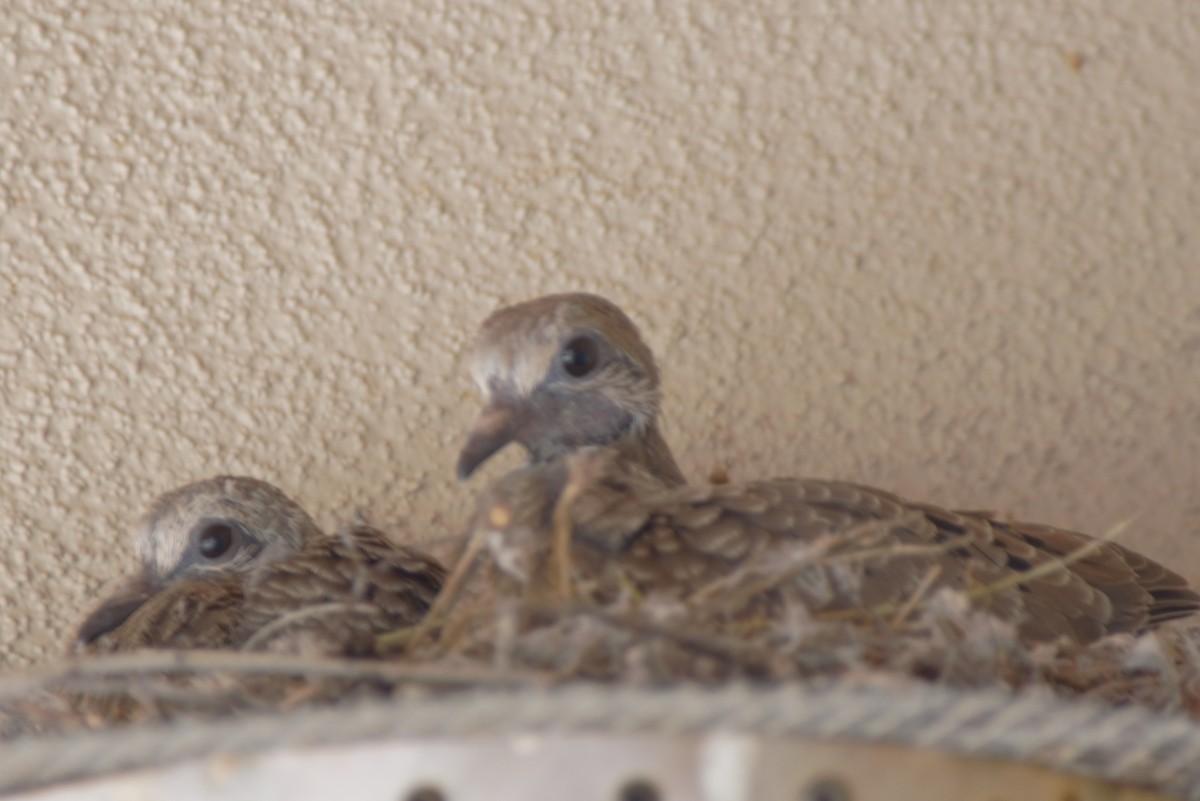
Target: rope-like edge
pixel 1130 745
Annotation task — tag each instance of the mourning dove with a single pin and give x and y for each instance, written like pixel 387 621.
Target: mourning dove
pixel 233 563
pixel 569 377
pixel 225 558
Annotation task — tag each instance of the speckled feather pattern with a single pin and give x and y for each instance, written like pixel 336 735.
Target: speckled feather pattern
pixel 632 532
pixel 363 581
pixel 299 591
pixel 186 614
pixel 628 521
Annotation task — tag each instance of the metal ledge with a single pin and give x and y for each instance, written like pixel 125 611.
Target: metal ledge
pixel 718 767
pixel 837 742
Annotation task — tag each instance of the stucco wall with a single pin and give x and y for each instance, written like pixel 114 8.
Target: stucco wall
pixel 944 247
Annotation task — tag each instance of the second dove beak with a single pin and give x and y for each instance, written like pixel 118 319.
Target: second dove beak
pixel 500 422
pixel 115 609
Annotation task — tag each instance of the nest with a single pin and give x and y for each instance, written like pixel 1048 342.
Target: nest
pixel 529 619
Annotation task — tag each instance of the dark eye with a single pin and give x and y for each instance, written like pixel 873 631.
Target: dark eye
pixel 215 540
pixel 579 356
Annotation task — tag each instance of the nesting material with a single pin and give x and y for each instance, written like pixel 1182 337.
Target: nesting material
pixel 531 605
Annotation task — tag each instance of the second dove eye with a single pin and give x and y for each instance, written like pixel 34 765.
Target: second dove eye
pixel 579 356
pixel 215 540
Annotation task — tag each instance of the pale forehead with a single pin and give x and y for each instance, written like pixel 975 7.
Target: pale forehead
pixel 222 494
pixel 516 344
pixel 163 533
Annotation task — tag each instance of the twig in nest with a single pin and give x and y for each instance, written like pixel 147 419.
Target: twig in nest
pixel 774 571
pixel 298 616
pixel 1053 566
pixel 895 551
pixel 918 595
pixel 743 581
pixel 1044 569
pixel 451 629
pixel 145 691
pixel 898 611
pixel 696 640
pixel 577 477
pixel 412 636
pixel 76 671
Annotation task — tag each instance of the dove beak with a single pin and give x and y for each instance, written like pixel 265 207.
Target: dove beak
pixel 115 609
pixel 502 421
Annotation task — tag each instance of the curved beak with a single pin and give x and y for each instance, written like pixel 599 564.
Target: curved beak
pixel 115 609
pixel 501 422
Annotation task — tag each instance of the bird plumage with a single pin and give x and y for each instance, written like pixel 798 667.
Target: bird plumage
pixel 233 563
pixel 223 558
pixel 339 592
pixel 635 516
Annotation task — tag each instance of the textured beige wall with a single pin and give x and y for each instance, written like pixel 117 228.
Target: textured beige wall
pixel 945 247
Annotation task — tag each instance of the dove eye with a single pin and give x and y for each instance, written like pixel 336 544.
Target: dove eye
pixel 580 356
pixel 215 540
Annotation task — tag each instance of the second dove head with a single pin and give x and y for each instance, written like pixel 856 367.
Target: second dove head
pixel 558 373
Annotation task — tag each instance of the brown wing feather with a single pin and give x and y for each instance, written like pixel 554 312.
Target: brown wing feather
pixel 679 540
pixel 190 614
pixel 339 592
pixel 185 615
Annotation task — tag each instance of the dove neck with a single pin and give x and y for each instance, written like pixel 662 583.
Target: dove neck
pixel 648 448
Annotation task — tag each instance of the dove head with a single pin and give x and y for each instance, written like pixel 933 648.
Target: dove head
pixel 203 531
pixel 562 372
pixel 220 526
